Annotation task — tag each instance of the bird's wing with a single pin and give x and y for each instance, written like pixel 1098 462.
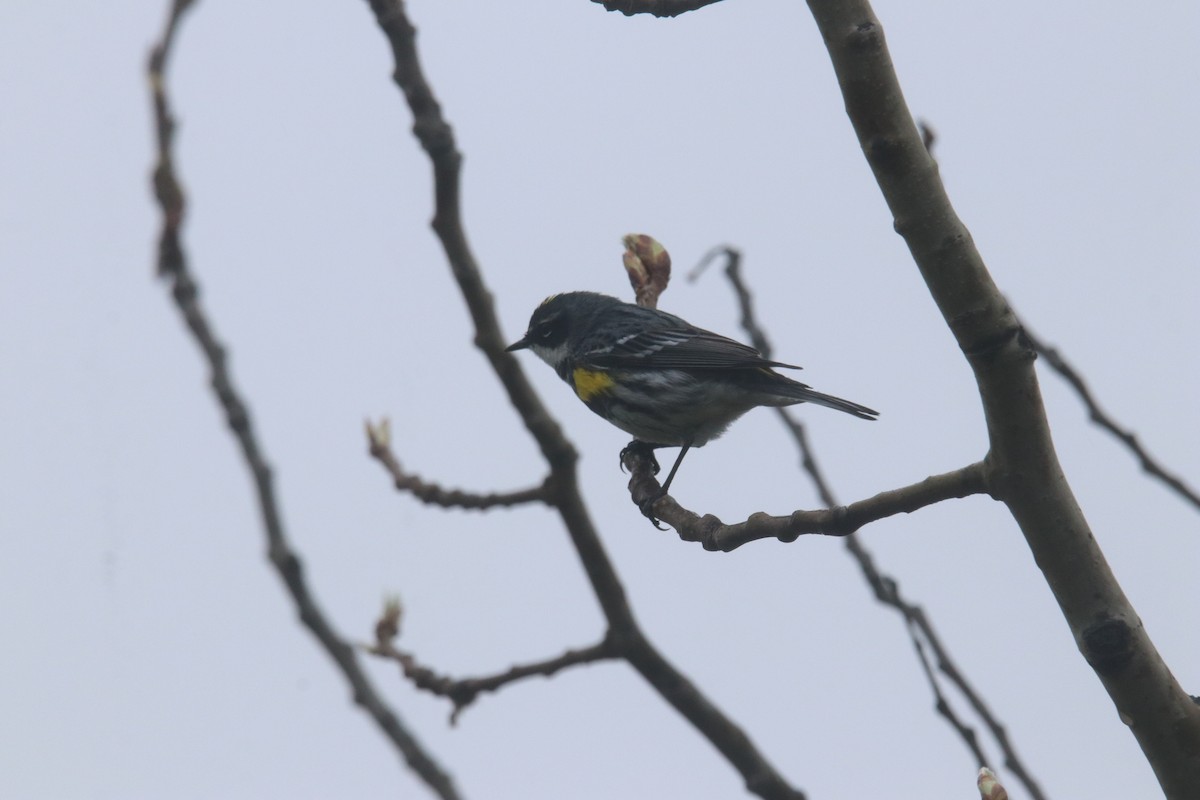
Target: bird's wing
pixel 679 348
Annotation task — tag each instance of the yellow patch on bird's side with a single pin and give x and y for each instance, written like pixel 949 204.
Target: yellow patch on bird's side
pixel 589 383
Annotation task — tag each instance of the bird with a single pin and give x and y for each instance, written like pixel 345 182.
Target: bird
pixel 656 376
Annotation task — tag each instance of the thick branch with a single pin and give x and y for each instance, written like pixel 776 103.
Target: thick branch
pixel 172 263
pixel 714 534
pixel 1024 469
pixel 379 446
pixel 436 137
pixel 655 8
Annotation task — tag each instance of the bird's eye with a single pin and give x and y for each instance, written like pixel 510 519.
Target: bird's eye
pixel 546 333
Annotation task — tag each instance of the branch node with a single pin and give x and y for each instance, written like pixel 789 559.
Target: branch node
pixel 865 38
pixel 708 532
pixel 1108 645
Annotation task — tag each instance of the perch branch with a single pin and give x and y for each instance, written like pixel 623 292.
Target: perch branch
pixel 172 264
pixel 714 534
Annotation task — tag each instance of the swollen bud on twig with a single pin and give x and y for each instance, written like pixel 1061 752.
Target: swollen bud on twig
pixel 388 626
pixel 379 434
pixel 989 786
pixel 649 267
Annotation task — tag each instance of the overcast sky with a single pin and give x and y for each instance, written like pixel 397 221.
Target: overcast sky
pixel 149 650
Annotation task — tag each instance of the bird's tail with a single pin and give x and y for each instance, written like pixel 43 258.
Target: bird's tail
pixel 798 392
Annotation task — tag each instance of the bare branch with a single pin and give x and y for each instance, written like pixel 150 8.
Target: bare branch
pixel 714 534
pixel 1024 471
pixel 885 587
pixel 941 704
pixel 167 190
pixel 1060 365
pixel 462 692
pixel 656 8
pixel 379 446
pixel 437 139
pixel 172 264
pixel 733 271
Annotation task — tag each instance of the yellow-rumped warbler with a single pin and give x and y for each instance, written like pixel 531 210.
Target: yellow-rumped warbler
pixel 656 376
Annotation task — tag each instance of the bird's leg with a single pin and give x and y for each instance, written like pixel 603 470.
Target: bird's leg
pixel 647 507
pixel 674 468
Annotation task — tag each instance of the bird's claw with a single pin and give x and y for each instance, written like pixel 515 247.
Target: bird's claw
pixel 647 508
pixel 639 448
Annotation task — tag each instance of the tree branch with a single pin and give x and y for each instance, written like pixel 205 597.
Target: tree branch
pixel 941 704
pixel 437 139
pixel 172 264
pixel 714 534
pixel 462 692
pixel 379 446
pixel 1060 365
pixel 656 8
pixel 1024 470
pixel 885 587
pixel 887 591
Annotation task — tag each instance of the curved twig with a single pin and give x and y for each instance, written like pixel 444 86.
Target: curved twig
pixel 172 263
pixel 379 446
pixel 1063 367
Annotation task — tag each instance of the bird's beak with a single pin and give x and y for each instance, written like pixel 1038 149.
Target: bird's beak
pixel 519 344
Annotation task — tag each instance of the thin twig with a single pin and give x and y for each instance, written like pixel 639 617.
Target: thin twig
pixel 437 139
pixel 1060 365
pixel 462 692
pixel 714 534
pixel 885 587
pixel 172 263
pixel 941 705
pixel 379 446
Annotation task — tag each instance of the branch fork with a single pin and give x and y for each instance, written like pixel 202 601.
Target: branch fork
pixel 462 692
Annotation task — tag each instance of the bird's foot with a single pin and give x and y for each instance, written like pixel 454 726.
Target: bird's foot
pixel 647 508
pixel 639 448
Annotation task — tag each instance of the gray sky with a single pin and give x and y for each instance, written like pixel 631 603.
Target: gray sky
pixel 149 649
